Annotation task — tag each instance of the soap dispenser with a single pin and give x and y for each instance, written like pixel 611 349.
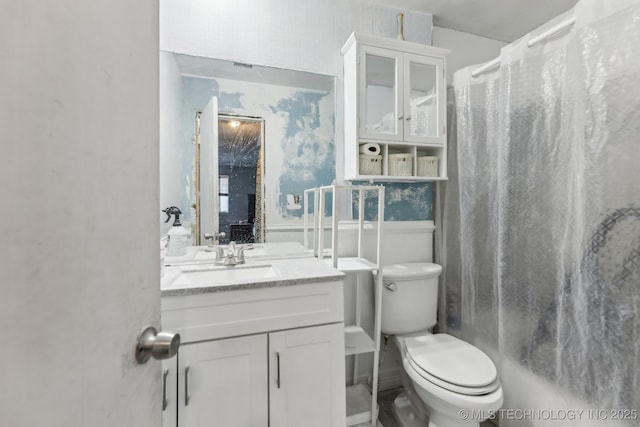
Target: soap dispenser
pixel 178 236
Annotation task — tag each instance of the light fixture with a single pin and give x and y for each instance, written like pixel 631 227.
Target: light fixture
pixel 234 123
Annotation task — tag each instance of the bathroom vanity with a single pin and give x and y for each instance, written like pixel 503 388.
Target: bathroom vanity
pixel 262 344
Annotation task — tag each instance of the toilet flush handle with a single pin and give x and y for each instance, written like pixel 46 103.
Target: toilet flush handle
pixel 391 286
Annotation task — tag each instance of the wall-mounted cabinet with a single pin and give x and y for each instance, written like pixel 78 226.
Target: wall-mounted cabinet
pixel 395 110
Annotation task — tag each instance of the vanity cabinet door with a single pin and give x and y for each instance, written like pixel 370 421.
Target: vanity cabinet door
pixel 224 383
pixel 170 392
pixel 306 377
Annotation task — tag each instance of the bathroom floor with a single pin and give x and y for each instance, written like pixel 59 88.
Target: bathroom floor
pixel 385 416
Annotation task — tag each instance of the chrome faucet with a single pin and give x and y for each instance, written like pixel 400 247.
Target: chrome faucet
pixel 234 256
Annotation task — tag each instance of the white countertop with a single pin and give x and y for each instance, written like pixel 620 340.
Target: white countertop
pixel 196 278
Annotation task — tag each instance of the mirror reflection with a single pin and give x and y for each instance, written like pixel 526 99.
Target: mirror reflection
pixel 295 112
pixel 239 178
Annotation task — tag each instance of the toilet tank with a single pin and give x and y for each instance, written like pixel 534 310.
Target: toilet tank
pixel 409 297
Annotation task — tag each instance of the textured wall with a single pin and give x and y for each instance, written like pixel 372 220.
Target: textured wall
pixel 293 34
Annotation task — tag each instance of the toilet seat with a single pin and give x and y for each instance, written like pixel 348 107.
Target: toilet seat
pixel 451 363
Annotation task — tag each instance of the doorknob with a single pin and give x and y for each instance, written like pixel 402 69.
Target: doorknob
pixel 160 345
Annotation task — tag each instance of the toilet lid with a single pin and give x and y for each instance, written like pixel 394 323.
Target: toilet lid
pixel 451 361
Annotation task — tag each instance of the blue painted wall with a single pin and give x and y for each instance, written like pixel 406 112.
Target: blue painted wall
pixel 402 202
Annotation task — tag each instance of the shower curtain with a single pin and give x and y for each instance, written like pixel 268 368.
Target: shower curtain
pixel 541 218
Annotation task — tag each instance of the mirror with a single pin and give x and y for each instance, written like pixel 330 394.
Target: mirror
pixel 295 111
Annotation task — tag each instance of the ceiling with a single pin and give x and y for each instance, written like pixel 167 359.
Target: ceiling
pixel 505 20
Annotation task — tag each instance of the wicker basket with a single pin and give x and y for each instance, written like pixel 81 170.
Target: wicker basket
pixel 370 165
pixel 401 164
pixel 428 166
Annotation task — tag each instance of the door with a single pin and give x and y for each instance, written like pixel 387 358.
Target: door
pixel 231 184
pixel 423 99
pixel 209 183
pixel 306 377
pixel 80 257
pixel 379 89
pixel 224 383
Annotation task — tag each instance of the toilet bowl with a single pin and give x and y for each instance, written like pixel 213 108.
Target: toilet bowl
pixel 449 380
pixel 450 377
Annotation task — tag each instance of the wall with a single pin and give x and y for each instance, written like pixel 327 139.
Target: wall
pixel 466 49
pixel 281 33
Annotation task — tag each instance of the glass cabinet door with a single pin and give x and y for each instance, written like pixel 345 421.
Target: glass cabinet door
pixel 423 98
pixel 380 86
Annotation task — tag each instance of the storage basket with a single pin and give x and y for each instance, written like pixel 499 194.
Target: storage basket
pixel 401 164
pixel 370 165
pixel 428 166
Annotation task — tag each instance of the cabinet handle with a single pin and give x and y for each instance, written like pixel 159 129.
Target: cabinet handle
pixel 186 386
pixel 278 369
pixel 408 118
pixel 164 389
pixel 400 117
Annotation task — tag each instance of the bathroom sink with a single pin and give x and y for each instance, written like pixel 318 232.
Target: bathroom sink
pixel 208 275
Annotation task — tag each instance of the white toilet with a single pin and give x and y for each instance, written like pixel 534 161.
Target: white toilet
pixel 446 379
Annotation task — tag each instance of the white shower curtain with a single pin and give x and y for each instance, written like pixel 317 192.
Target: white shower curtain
pixel 541 236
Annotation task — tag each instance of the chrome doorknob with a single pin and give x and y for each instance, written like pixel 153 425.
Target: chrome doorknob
pixel 160 345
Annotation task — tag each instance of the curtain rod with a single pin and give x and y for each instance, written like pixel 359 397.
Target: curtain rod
pixel 552 31
pixel 534 41
pixel 486 67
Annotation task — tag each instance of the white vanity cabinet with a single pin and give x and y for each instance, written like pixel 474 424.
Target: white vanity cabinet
pixel 394 96
pixel 224 382
pixel 306 386
pixel 269 356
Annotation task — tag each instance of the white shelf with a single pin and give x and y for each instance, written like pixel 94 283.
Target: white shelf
pixel 388 178
pixel 358 405
pixel 362 406
pixel 353 264
pixel 357 341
